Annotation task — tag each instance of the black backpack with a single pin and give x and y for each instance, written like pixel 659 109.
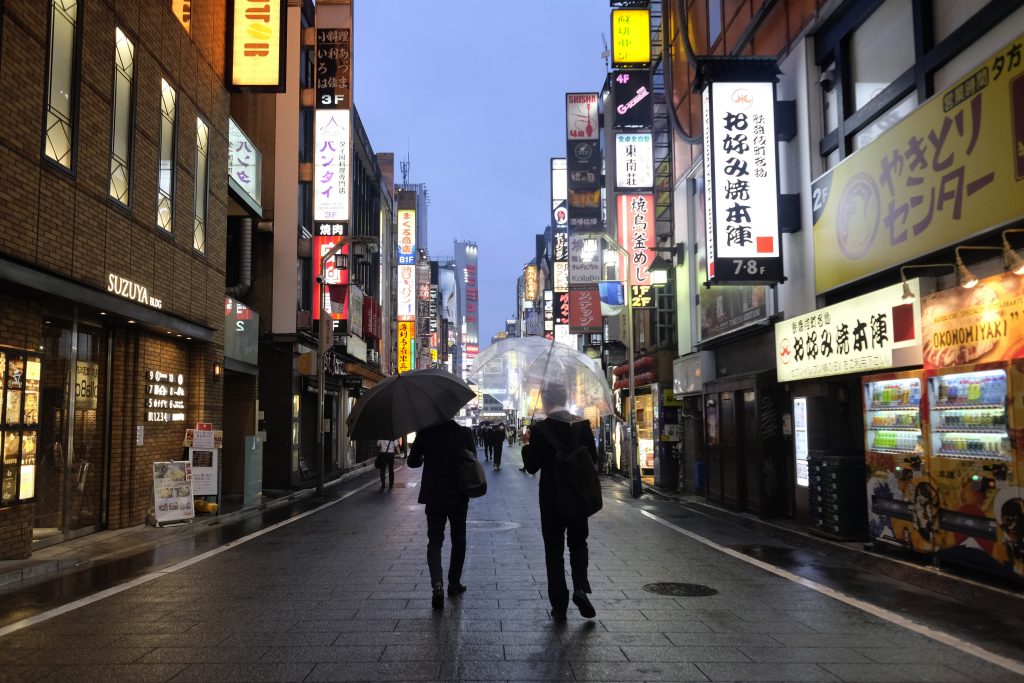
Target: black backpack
pixel 578 486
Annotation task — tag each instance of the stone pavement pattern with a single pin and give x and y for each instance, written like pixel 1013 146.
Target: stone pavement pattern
pixel 344 595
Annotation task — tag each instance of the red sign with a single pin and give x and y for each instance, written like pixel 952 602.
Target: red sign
pixel 636 234
pixel 585 310
pixel 332 275
pixel 562 308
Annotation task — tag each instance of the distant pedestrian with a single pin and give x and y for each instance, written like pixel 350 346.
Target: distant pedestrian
pixel 485 433
pixel 437 449
pixel 497 440
pixel 386 451
pixel 511 435
pixel 540 443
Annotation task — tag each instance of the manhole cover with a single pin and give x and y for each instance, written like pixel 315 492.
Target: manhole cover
pixel 489 525
pixel 680 590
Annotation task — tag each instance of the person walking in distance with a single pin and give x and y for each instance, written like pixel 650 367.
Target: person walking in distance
pixel 497 437
pixel 437 449
pixel 540 444
pixel 485 433
pixel 386 461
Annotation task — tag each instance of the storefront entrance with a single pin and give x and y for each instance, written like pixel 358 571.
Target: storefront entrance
pixel 73 447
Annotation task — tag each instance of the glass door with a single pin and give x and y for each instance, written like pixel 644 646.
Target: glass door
pixel 72 417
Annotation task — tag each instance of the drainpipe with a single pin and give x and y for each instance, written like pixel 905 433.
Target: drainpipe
pixel 244 261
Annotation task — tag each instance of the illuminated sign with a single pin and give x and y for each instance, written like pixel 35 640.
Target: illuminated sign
pixel 245 164
pixel 856 335
pixel 132 291
pixel 406 294
pixel 631 38
pixel 406 331
pixel 327 238
pixel 634 160
pixel 183 10
pixel 561 276
pixel 165 396
pixel 257 36
pixel 530 283
pixel 585 310
pixel 406 237
pixel 950 170
pixel 633 100
pixel 584 260
pixel 636 234
pixel 331 165
pixel 333 68
pixel 558 179
pixel 581 122
pixel 740 174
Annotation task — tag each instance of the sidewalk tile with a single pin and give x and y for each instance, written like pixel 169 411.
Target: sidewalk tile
pixel 716 671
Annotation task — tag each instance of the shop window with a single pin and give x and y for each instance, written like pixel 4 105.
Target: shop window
pixel 886 121
pixel 202 185
pixel 881 49
pixel 183 11
pixel 60 126
pixel 949 15
pixel 121 125
pixel 165 181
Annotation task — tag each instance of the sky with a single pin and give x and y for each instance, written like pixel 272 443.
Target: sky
pixel 474 92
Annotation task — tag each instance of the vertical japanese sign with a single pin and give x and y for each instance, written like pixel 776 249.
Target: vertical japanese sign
pixel 636 234
pixel 631 38
pixel 581 116
pixel 326 238
pixel 560 225
pixel 406 237
pixel 331 161
pixel 257 34
pixel 530 283
pixel 584 260
pixel 585 310
pixel 549 312
pixel 406 330
pixel 583 162
pixel 951 169
pixel 742 181
pixel 406 294
pixel 245 164
pixel 634 160
pixel 333 68
pixel 632 98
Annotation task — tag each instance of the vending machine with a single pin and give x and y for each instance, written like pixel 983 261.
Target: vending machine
pixel 902 507
pixel 976 429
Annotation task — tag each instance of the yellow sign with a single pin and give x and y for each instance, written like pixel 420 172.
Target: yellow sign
pixel 631 37
pixel 530 283
pixel 183 10
pixel 256 37
pixel 406 332
pixel 950 170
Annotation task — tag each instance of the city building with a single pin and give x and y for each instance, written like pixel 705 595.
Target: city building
pixel 467 301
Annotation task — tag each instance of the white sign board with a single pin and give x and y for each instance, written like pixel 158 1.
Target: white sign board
pixel 800 441
pixel 634 160
pixel 172 491
pixel 331 162
pixel 581 116
pixel 406 294
pixel 584 260
pixel 858 335
pixel 204 470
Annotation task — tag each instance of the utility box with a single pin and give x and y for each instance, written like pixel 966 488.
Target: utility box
pixel 691 372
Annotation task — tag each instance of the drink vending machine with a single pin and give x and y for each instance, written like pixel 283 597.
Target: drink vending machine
pixel 976 429
pixel 901 498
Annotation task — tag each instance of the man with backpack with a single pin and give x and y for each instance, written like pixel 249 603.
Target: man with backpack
pixel 562 447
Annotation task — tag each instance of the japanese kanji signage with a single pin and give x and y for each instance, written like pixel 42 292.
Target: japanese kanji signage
pixel 530 283
pixel 742 183
pixel 633 99
pixel 584 185
pixel 951 169
pixel 325 238
pixel 406 294
pixel 562 308
pixel 331 165
pixel 406 330
pixel 977 325
pixel 257 35
pixel 561 275
pixel 581 122
pixel 333 68
pixel 245 164
pixel 549 311
pixel 631 38
pixel 584 260
pixel 585 310
pixel 858 335
pixel 634 160
pixel 406 237
pixel 636 235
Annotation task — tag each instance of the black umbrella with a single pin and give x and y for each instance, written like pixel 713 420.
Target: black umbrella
pixel 407 403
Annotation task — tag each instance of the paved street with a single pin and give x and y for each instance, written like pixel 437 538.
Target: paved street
pixel 343 594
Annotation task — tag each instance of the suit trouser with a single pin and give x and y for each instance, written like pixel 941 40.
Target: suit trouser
pixel 437 515
pixel 555 529
pixel 496 448
pixel 389 465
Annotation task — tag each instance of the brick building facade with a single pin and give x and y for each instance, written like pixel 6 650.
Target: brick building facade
pixel 92 284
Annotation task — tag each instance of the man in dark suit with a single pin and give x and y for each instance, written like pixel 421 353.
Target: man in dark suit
pixel 437 449
pixel 540 445
pixel 496 436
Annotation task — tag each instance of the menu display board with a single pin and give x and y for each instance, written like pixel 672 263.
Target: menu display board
pixel 19 424
pixel 172 491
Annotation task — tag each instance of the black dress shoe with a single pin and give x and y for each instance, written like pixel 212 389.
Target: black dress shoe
pixel 580 599
pixel 455 589
pixel 558 614
pixel 437 599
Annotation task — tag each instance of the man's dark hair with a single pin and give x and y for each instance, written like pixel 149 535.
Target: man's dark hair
pixel 554 395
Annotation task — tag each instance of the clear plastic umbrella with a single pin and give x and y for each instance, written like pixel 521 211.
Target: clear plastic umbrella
pixel 517 371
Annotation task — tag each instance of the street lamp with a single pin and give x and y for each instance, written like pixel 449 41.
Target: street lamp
pixel 326 341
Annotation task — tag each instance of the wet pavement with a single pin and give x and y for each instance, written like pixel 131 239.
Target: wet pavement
pixel 343 594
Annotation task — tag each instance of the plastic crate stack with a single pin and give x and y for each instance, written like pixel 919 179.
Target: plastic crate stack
pixel 836 498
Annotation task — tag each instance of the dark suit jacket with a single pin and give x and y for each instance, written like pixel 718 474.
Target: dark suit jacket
pixel 539 454
pixel 437 448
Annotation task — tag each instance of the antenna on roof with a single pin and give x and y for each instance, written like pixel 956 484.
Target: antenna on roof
pixel 606 53
pixel 404 165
